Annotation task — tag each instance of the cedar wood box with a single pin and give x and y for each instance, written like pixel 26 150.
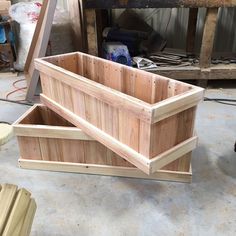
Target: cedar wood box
pixel 145 118
pixel 49 142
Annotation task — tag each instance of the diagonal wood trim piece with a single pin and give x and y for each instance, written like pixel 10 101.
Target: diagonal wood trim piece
pixel 174 153
pixel 130 172
pixel 146 165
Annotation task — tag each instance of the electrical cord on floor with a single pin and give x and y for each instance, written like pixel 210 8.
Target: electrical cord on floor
pixel 224 101
pixel 17 102
pixel 5 122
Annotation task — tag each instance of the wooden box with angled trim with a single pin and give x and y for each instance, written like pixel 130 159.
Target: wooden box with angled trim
pixel 49 142
pixel 145 118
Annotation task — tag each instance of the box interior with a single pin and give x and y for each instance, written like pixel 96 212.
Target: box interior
pixel 145 86
pixel 42 115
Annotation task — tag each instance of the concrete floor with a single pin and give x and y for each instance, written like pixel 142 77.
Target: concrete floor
pixel 76 204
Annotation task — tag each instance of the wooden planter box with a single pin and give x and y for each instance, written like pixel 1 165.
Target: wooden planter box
pixel 145 118
pixel 49 142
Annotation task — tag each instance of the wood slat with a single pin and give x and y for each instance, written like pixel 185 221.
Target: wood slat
pixel 18 212
pixel 130 172
pixel 7 196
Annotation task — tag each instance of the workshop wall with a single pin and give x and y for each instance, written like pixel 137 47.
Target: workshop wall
pixel 172 23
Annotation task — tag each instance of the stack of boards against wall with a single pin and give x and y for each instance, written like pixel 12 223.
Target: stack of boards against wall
pixel 57 145
pixel 146 119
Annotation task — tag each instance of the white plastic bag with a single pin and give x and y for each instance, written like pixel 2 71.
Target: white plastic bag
pixel 26 14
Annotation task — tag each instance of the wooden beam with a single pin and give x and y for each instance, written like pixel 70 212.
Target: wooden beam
pixel 208 37
pixel 91 31
pixel 104 4
pixel 177 104
pixel 105 170
pixel 39 45
pixel 191 31
pixel 215 72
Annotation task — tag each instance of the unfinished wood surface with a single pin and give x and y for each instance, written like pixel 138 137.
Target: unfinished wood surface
pixel 104 4
pixel 208 37
pixel 39 45
pixel 49 144
pixel 121 171
pixel 120 103
pixel 17 210
pixel 191 31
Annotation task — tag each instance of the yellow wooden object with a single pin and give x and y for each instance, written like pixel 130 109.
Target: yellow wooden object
pixel 6 132
pixel 17 211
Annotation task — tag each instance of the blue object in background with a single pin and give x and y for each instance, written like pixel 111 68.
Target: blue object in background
pixel 2 34
pixel 117 52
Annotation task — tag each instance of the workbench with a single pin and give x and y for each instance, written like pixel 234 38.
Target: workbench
pixel 91 11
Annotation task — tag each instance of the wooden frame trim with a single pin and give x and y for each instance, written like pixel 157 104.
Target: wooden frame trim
pixel 176 104
pixel 147 165
pixel 47 131
pixel 164 175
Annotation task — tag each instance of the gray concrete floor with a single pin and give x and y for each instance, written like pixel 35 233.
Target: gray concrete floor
pixel 76 204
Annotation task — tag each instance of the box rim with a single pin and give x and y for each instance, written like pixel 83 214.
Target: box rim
pixel 116 92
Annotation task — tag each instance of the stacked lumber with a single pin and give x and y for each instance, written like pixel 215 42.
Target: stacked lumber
pixel 17 210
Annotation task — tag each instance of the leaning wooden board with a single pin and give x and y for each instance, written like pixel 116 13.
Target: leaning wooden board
pixel 145 118
pixel 57 145
pixel 17 210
